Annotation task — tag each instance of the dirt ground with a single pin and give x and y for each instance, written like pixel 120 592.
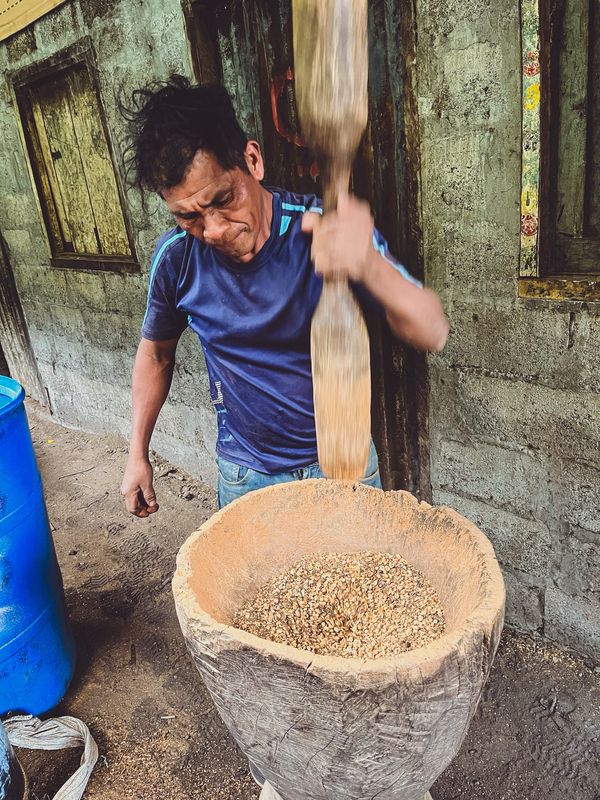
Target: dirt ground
pixel 535 735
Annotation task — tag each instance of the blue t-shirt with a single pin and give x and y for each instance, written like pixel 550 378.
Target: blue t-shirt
pixel 253 322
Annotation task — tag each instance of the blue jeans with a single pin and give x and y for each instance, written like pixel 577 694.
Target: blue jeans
pixel 236 481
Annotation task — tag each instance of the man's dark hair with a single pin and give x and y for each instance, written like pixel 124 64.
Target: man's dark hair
pixel 171 120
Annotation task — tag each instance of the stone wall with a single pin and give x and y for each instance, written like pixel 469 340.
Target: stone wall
pixel 84 325
pixel 515 404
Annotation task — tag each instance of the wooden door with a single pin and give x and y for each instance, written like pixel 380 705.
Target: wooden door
pixel 248 46
pixel 15 345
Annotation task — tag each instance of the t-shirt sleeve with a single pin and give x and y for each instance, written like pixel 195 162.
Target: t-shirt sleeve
pixel 163 320
pixel 365 298
pixel 380 244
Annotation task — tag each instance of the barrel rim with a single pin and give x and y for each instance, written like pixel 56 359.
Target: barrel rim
pixel 484 622
pixel 12 389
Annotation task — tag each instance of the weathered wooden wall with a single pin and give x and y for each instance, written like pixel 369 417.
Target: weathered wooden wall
pixel 248 45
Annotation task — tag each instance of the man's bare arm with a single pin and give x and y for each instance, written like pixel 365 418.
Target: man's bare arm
pixel 150 384
pixel 415 315
pixel 343 245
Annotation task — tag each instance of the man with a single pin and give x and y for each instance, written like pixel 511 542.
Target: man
pixel 237 269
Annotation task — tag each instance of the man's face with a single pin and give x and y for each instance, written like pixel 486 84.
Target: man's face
pixel 223 208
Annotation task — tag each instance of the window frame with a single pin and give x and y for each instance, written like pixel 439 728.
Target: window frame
pixel 80 54
pixel 539 146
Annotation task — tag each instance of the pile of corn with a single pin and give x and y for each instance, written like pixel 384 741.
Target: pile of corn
pixel 361 605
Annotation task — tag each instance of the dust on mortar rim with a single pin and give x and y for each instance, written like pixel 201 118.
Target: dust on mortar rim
pixel 483 618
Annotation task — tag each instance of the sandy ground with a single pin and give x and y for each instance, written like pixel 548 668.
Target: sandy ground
pixel 535 735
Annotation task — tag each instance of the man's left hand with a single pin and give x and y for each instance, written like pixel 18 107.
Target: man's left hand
pixel 342 242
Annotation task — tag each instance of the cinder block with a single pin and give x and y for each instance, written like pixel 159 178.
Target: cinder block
pixel 70 356
pixel 110 331
pixel 36 316
pixel 520 543
pixel 196 457
pixel 518 343
pixel 187 436
pixel 578 569
pixel 147 237
pixel 509 479
pixel 21 45
pixel 19 210
pixel 126 294
pixel 476 95
pixel 18 242
pixel 189 425
pixel 58 29
pixel 524 602
pixel 85 403
pixel 559 422
pixel 586 337
pixel 190 389
pixel 573 622
pixel 455 25
pixel 42 284
pixel 86 290
pixel 66 323
pixel 43 344
pixel 575 489
pixel 462 252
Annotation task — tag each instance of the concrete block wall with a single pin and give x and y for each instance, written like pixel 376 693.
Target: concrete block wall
pixel 515 396
pixel 84 325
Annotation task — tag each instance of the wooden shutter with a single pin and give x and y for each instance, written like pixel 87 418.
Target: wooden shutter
pixel 573 138
pixel 73 167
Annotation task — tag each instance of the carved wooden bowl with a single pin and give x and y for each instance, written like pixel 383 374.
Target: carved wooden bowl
pixel 321 727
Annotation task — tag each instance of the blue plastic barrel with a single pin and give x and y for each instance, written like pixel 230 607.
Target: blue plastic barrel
pixel 37 652
pixel 12 779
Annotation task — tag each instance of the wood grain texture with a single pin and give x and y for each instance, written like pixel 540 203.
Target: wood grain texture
pixel 269 793
pixel 68 165
pixel 331 66
pixel 99 171
pixel 570 45
pixel 561 288
pixel 593 159
pixel 44 163
pixel 573 119
pixel 14 334
pixel 321 727
pixel 385 173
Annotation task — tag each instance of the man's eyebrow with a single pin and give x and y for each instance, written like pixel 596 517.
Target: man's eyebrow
pixel 186 214
pixel 217 198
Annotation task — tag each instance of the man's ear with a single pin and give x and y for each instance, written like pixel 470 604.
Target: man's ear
pixel 254 160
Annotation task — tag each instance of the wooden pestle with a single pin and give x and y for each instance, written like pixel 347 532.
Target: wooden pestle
pixel 331 69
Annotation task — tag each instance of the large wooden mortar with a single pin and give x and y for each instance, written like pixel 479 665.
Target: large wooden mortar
pixel 322 727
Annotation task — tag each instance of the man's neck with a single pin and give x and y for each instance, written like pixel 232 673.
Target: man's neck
pixel 266 220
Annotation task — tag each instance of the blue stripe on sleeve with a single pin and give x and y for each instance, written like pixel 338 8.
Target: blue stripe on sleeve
pixel 155 265
pixel 395 264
